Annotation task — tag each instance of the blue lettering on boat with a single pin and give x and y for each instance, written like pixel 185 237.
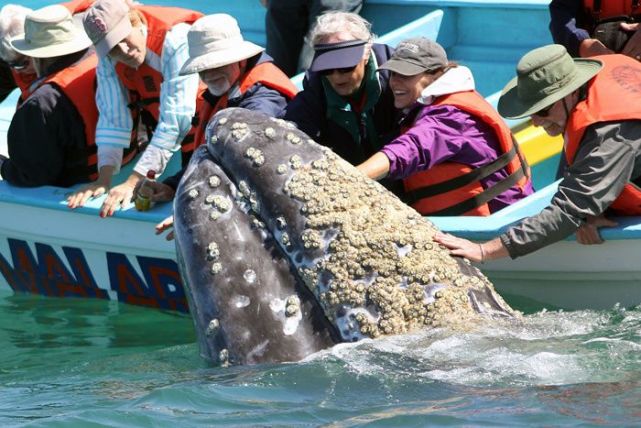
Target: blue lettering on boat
pixel 161 287
pixel 47 274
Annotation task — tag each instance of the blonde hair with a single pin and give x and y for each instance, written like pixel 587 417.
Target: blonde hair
pixel 12 17
pixel 136 18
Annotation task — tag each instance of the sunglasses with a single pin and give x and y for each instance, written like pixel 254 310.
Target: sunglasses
pixel 343 70
pixel 544 112
pixel 19 65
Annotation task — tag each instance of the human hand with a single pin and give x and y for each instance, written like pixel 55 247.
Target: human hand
pixel 592 47
pixel 633 47
pixel 263 2
pixel 461 247
pixel 160 191
pixel 588 233
pixel 117 198
pixel 166 224
pixel 91 190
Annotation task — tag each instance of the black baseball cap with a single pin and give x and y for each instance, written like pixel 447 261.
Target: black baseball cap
pixel 329 56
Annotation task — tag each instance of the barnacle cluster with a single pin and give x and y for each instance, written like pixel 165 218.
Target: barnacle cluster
pixel 239 130
pixel 368 258
pixel 214 181
pixel 382 254
pixel 255 155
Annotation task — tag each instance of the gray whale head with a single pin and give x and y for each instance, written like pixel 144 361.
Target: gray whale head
pixel 286 249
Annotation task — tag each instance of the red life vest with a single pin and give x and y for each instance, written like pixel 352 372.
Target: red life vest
pixel 78 83
pixel 23 82
pixel 265 73
pixel 604 9
pixel 78 6
pixel 618 80
pixel 143 84
pixel 452 188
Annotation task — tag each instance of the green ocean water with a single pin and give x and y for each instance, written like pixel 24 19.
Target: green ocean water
pixel 86 363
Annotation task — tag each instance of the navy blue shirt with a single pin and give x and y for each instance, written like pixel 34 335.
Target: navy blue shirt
pixel 46 139
pixel 568 24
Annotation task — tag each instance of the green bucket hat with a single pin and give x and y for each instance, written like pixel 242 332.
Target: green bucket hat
pixel 544 76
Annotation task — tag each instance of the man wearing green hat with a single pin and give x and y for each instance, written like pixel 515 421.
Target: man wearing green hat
pixel 595 104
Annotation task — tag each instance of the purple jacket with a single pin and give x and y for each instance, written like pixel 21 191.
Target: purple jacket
pixel 442 133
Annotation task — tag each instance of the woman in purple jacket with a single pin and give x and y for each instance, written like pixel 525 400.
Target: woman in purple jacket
pixel 456 155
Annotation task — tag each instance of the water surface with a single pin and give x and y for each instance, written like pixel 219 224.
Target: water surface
pixel 76 362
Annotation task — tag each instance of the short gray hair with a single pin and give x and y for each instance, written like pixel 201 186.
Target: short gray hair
pixel 334 22
pixel 12 18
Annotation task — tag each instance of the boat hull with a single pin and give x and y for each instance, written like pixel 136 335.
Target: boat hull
pixel 67 254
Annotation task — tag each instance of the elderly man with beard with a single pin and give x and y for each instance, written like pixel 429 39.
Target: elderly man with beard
pixel 237 74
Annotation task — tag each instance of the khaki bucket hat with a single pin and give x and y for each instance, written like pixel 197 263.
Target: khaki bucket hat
pixel 50 32
pixel 215 41
pixel 544 76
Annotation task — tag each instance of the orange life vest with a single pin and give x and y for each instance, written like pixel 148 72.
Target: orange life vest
pixel 265 73
pixel 78 6
pixel 618 80
pixel 452 188
pixel 605 9
pixel 78 83
pixel 143 84
pixel 23 82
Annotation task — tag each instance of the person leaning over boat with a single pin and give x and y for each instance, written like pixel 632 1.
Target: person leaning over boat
pixel 597 27
pixel 51 138
pixel 141 51
pixel 16 70
pixel 237 73
pixel 345 105
pixel 595 104
pixel 456 155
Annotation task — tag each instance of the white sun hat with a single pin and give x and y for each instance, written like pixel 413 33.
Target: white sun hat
pixel 50 32
pixel 215 41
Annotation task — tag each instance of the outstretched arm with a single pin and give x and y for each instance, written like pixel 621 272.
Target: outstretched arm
pixel 474 251
pixel 376 167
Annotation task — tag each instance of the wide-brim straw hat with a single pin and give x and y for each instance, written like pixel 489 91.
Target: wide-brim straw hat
pixel 215 41
pixel 50 32
pixel 544 76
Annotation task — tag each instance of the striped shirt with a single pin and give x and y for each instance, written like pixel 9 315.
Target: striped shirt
pixel 177 106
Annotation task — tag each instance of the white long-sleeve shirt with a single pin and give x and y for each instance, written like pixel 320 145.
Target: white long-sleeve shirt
pixel 177 106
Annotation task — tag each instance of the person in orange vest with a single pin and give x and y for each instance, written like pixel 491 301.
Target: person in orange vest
pixel 144 104
pixel 237 73
pixel 597 27
pixel 16 70
pixel 456 155
pixel 51 138
pixel 595 104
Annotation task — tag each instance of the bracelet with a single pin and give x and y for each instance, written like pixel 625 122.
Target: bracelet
pixel 482 253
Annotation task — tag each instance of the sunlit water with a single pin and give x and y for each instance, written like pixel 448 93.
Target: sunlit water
pixel 76 362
